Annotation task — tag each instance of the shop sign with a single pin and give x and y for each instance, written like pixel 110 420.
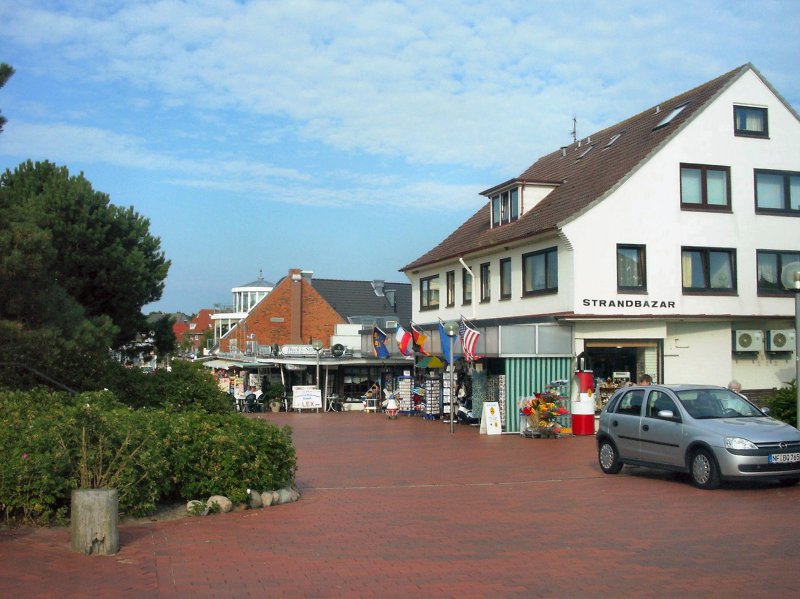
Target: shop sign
pixel 619 303
pixel 490 420
pixel 298 350
pixel 306 397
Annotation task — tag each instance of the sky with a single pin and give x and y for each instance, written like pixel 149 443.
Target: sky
pixel 343 137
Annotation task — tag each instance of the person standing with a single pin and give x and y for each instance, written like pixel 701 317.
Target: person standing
pixel 645 379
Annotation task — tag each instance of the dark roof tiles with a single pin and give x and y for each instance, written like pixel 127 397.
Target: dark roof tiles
pixel 582 181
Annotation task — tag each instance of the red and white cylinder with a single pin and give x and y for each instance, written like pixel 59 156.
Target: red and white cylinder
pixel 582 407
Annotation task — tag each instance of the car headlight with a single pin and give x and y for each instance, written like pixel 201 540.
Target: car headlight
pixel 739 443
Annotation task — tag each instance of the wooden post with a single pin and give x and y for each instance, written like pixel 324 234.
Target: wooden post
pixel 93 521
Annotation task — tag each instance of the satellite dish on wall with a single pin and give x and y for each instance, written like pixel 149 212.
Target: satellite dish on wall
pixel 790 276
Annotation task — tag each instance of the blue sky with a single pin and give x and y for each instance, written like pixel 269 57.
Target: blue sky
pixel 343 137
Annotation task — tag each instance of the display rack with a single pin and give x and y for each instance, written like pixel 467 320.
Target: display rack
pixel 433 395
pixel 403 394
pixel 447 394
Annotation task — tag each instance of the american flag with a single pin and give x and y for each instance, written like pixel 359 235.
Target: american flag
pixel 469 340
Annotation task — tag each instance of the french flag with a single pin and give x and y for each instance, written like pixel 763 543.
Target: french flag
pixel 404 341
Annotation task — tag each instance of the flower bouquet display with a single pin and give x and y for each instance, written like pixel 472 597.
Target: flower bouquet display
pixel 542 412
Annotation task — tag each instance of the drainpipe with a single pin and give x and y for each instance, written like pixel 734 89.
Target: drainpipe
pixel 472 274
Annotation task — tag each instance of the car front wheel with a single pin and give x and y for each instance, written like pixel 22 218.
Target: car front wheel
pixel 704 470
pixel 608 457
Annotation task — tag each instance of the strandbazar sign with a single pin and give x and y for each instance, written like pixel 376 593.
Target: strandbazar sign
pixel 611 303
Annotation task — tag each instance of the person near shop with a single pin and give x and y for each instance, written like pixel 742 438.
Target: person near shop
pixel 645 379
pixel 736 387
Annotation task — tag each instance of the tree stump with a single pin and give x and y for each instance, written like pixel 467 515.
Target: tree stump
pixel 93 521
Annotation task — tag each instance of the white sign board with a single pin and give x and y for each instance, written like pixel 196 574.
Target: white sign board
pixel 306 397
pixel 490 420
pixel 298 350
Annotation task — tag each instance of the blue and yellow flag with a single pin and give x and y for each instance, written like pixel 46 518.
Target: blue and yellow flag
pixel 379 344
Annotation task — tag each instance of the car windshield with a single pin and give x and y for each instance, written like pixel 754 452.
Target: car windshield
pixel 716 403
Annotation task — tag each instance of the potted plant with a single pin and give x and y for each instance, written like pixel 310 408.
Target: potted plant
pixel 274 395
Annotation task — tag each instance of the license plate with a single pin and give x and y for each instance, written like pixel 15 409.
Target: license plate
pixel 784 458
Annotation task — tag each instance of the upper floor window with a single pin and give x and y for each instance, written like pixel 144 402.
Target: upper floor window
pixel 631 268
pixel 450 284
pixel 770 265
pixel 750 121
pixel 540 272
pixel 505 278
pixel 486 282
pixel 777 192
pixel 708 270
pixel 705 187
pixel 505 207
pixel 466 287
pixel 429 293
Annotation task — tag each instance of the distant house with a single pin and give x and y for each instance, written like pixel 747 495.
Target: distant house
pixel 652 246
pixel 199 329
pixel 302 309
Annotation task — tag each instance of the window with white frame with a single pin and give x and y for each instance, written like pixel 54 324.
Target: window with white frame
pixel 505 207
pixel 750 121
pixel 540 272
pixel 429 293
pixel 708 270
pixel 777 192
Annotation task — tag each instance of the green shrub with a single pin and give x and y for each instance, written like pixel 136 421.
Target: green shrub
pixel 56 442
pixel 187 386
pixel 783 404
pixel 228 454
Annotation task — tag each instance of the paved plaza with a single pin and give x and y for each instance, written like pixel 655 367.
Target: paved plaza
pixel 403 508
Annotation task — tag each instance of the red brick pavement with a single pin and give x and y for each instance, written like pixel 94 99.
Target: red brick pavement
pixel 403 508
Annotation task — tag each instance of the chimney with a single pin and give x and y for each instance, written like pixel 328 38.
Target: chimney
pixel 296 307
pixel 563 151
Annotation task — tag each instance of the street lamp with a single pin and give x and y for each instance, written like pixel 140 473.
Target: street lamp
pixel 790 277
pixel 317 345
pixel 451 330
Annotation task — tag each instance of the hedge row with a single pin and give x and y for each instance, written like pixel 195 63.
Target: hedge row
pixel 55 442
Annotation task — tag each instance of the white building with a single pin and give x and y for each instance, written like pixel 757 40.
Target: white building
pixel 654 246
pixel 245 298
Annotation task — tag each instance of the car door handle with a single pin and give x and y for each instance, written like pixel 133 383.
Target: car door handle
pixel 645 427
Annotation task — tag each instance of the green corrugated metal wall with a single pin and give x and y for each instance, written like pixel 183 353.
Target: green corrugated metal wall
pixel 527 376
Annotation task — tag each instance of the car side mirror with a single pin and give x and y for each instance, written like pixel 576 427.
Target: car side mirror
pixel 765 409
pixel 667 415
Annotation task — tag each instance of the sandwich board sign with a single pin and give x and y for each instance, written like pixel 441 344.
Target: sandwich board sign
pixel 490 419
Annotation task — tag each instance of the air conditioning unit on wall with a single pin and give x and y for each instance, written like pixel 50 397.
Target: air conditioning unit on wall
pixel 780 340
pixel 747 341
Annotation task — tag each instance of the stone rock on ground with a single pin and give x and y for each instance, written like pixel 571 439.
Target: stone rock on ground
pixel 255 501
pixel 196 508
pixel 225 504
pixel 266 498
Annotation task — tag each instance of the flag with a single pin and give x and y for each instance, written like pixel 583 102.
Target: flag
pixel 419 340
pixel 404 341
pixel 379 344
pixel 445 343
pixel 469 340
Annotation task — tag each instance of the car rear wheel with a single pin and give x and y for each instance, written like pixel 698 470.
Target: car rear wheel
pixel 704 470
pixel 608 457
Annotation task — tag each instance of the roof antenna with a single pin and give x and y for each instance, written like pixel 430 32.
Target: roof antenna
pixel 574 131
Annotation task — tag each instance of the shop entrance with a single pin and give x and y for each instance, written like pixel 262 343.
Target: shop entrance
pixel 617 362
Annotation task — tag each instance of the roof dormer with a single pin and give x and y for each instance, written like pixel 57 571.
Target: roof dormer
pixel 510 200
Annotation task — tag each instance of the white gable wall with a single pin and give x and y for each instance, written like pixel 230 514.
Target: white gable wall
pixel 645 209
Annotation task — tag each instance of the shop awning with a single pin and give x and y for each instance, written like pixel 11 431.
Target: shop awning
pixel 230 364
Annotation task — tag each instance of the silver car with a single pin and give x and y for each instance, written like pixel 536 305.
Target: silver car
pixel 709 432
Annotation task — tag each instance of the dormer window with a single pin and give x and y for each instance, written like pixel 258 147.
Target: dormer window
pixel 505 207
